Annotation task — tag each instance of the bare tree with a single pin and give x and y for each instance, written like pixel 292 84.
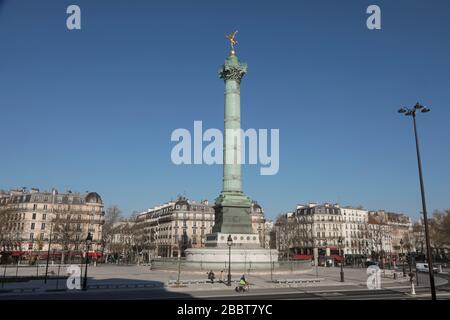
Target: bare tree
pixel 287 233
pixel 5 235
pixel 440 230
pixel 378 232
pixel 112 216
pixel 66 233
pixel 419 237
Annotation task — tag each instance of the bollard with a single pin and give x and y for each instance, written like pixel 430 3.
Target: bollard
pixel 411 279
pixel 413 291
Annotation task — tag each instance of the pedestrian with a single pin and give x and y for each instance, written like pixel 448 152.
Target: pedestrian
pixel 211 276
pixel 221 276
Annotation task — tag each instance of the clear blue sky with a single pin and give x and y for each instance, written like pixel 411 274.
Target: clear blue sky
pixel 94 109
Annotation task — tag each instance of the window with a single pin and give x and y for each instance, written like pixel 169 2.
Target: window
pixel 45 207
pixel 34 206
pixel 34 216
pixel 31 236
pixel 41 236
pixel 43 226
pixel 32 226
pixel 44 216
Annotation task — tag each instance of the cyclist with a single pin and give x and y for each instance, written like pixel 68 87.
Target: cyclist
pixel 243 283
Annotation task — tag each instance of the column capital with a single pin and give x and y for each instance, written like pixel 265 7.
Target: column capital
pixel 233 69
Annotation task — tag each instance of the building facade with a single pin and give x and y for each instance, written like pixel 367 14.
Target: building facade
pixel 316 226
pixel 172 227
pixel 169 229
pixel 364 234
pixel 357 239
pixel 29 218
pixel 391 232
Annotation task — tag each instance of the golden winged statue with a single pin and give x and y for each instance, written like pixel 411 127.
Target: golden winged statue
pixel 231 37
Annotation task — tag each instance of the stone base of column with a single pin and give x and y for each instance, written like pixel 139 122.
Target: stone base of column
pixel 242 260
pixel 240 240
pixel 233 213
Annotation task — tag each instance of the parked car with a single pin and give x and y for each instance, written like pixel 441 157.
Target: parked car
pixel 423 267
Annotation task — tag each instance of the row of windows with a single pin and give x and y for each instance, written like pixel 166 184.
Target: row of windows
pixel 33 225
pixel 55 237
pixel 330 234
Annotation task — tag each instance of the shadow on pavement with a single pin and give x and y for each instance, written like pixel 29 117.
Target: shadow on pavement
pixel 104 289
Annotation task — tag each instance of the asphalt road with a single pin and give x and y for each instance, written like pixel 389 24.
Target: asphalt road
pixel 324 293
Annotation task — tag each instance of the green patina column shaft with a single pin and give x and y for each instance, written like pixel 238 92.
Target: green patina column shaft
pixel 232 207
pixel 232 72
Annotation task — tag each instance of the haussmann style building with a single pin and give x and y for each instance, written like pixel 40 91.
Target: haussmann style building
pixel 28 218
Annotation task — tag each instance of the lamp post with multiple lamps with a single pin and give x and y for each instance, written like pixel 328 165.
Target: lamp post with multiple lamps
pixel 229 243
pixel 88 243
pixel 342 257
pixel 412 112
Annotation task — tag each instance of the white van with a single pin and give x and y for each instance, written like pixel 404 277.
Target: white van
pixel 423 267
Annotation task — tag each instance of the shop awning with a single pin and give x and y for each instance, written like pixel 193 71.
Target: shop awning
pixel 302 257
pixel 337 257
pixel 94 254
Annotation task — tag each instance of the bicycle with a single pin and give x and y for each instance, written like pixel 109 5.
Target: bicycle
pixel 242 288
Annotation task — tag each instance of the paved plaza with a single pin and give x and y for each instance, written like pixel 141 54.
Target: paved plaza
pixel 127 281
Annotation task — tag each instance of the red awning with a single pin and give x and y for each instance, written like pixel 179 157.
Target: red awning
pixel 94 254
pixel 337 257
pixel 17 253
pixel 303 257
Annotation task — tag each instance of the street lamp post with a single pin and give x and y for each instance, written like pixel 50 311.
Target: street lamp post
pixel 412 112
pixel 380 257
pixel 229 243
pixel 342 261
pixel 88 242
pixel 6 262
pixel 410 260
pixel 271 264
pixel 179 264
pixel 403 258
pixel 48 253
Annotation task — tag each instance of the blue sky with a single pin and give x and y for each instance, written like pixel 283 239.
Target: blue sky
pixel 94 109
